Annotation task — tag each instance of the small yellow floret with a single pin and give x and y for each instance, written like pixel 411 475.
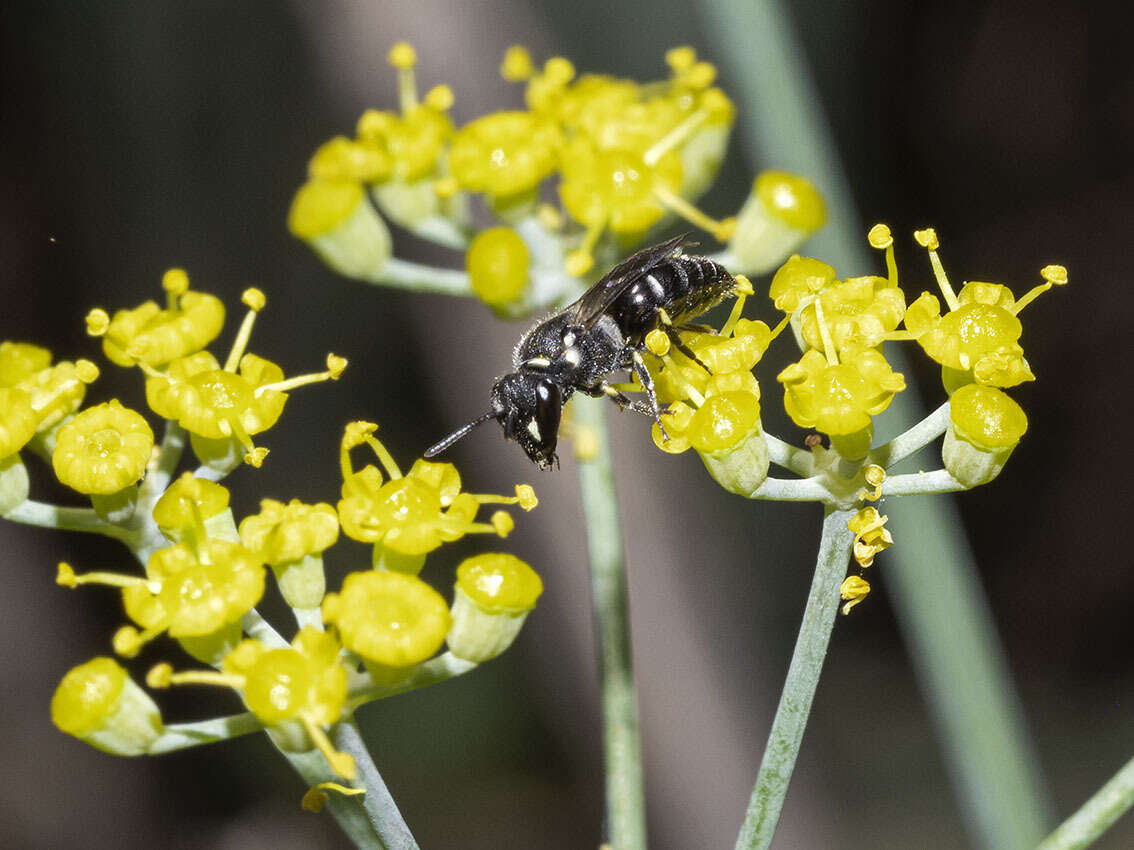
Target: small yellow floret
pixel 986 417
pixel 254 299
pixel 870 535
pixel 187 500
pixel 322 205
pixel 499 582
pixel 657 342
pixel 797 279
pixel 288 532
pixel 100 704
pixel 103 449
pixel 18 420
pixel 391 618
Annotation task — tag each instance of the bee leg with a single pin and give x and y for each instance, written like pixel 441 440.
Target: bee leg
pixel 707 330
pixel 638 365
pixel 676 341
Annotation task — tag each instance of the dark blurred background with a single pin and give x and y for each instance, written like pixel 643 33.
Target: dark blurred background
pixel 140 135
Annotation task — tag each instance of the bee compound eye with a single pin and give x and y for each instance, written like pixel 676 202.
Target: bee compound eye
pixel 549 409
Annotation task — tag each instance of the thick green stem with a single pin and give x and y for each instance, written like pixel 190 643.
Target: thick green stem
pixel 1096 815
pixel 180 736
pixel 799 690
pixel 41 514
pixel 966 682
pixel 622 748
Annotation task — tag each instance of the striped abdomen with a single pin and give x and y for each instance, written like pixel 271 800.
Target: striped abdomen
pixel 684 286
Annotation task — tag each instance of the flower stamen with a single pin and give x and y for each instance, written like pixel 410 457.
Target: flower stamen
pixel 254 299
pixel 928 239
pixel 721 230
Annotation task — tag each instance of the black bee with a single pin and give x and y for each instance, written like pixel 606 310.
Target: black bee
pixel 603 332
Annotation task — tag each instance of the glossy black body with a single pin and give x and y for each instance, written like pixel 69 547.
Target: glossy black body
pixel 603 332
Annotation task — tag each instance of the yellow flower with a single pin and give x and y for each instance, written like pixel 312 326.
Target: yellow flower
pixel 494 594
pixel 155 336
pixel 859 313
pixel 504 154
pixel 288 532
pixel 103 450
pixel 98 702
pixel 335 218
pixel 391 620
pixel 194 509
pixel 985 425
pixel 19 360
pixel 977 340
pixel 305 680
pixel 224 404
pixel 839 398
pixel 415 513
pixel 200 598
pixel 291 539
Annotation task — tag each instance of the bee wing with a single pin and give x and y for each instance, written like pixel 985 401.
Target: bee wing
pixel 595 301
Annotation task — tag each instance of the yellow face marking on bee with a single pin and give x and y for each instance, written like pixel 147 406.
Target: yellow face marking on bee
pixel 533 429
pixel 538 362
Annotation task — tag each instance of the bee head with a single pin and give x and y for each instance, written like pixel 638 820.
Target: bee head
pixel 528 406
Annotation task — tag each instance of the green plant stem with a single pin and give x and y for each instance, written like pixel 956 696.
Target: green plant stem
pixel 172 445
pixel 932 576
pixel 788 456
pixel 371 820
pixel 920 435
pixel 417 277
pixel 799 690
pixel 622 748
pixel 921 483
pixel 180 736
pixel 1096 815
pixel 43 515
pixel 439 669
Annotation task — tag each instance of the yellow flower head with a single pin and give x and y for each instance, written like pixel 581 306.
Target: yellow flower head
pixel 198 592
pixel 798 281
pixel 103 450
pixel 504 154
pixel 281 533
pixel 58 391
pixel 18 420
pixel 20 360
pixel 839 398
pixel 393 619
pixel 414 513
pixel 155 336
pixel 99 703
pixel 722 422
pixel 305 680
pixel 859 312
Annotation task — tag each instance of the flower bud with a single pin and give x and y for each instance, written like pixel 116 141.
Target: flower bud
pixel 337 221
pixel 498 263
pixel 99 703
pixel 782 211
pixel 726 433
pixel 984 427
pixel 494 593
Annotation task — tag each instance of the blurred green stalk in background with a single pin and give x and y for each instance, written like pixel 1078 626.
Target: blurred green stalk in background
pixel 932 576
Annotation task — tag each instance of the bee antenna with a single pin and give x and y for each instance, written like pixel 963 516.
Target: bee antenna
pixel 433 451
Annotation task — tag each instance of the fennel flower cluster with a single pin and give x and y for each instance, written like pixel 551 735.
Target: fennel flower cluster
pixel 204 570
pixel 576 176
pixel 842 381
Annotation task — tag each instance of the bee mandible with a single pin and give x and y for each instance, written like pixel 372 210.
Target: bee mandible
pixel 603 332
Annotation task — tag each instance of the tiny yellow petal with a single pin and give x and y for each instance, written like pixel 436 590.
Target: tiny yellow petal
pixel 526 494
pixel 255 458
pixel 66 575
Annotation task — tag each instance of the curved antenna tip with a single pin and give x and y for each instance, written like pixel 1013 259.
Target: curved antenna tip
pixel 436 449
